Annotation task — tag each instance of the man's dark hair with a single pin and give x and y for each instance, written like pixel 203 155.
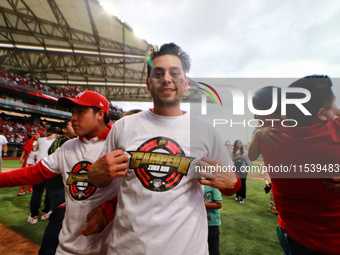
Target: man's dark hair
pixel 106 117
pixel 63 125
pixel 320 87
pixel 263 99
pixel 52 130
pixel 170 49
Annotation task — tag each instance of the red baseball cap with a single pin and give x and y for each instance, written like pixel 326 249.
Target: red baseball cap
pixel 86 98
pixel 40 132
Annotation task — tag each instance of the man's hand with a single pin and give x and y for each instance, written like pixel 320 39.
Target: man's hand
pixel 333 184
pixel 219 176
pixel 269 135
pixel 96 222
pixel 106 168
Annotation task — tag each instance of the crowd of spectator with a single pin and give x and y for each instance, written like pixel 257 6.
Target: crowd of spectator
pixel 18 131
pixel 9 98
pixel 10 77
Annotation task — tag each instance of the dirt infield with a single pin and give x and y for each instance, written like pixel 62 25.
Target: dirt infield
pixel 11 243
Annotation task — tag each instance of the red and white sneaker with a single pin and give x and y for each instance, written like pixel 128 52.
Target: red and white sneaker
pixel 30 191
pixel 21 192
pixel 32 220
pixel 45 216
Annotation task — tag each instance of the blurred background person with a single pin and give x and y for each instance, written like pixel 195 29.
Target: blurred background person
pixel 213 204
pixel 29 157
pixel 3 147
pixel 239 158
pixel 44 143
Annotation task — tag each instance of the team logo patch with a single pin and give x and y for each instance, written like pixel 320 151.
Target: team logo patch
pixel 159 164
pixel 78 181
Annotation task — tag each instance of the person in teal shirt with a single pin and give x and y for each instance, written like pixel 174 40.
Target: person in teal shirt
pixel 213 203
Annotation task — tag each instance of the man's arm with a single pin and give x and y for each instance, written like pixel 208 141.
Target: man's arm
pixel 226 181
pixel 100 217
pixel 24 176
pixel 269 135
pixel 22 157
pixel 108 167
pixel 4 149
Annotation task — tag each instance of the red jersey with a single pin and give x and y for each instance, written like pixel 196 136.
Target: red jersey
pixel 309 213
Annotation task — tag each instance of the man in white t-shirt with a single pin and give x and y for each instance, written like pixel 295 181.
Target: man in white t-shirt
pixel 3 147
pixel 160 208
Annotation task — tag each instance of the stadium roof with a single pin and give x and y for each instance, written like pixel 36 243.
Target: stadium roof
pixel 73 43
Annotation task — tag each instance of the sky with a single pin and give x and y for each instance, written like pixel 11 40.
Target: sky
pixel 242 39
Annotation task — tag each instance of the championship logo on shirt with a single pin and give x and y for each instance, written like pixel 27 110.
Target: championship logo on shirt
pixel 78 181
pixel 159 164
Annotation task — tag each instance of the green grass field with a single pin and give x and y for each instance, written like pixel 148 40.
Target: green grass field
pixel 246 229
pixel 11 164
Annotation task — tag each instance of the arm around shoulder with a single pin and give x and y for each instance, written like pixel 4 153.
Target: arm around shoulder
pixel 254 148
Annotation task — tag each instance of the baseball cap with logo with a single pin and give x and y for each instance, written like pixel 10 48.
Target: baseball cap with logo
pixel 86 98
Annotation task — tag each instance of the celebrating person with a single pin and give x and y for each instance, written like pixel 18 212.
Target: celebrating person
pixel 73 160
pixel 307 198
pixel 160 208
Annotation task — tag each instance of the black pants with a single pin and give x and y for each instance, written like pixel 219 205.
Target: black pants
pixel 242 190
pixel 38 191
pixel 214 240
pixel 243 177
pixel 50 241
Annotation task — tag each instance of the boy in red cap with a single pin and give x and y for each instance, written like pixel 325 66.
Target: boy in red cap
pixel 73 160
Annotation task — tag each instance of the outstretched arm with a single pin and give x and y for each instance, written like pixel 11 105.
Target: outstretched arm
pixel 28 175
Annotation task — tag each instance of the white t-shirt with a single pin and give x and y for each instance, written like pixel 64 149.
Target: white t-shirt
pixel 72 161
pixel 160 207
pixel 3 141
pixel 34 152
pixel 43 145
